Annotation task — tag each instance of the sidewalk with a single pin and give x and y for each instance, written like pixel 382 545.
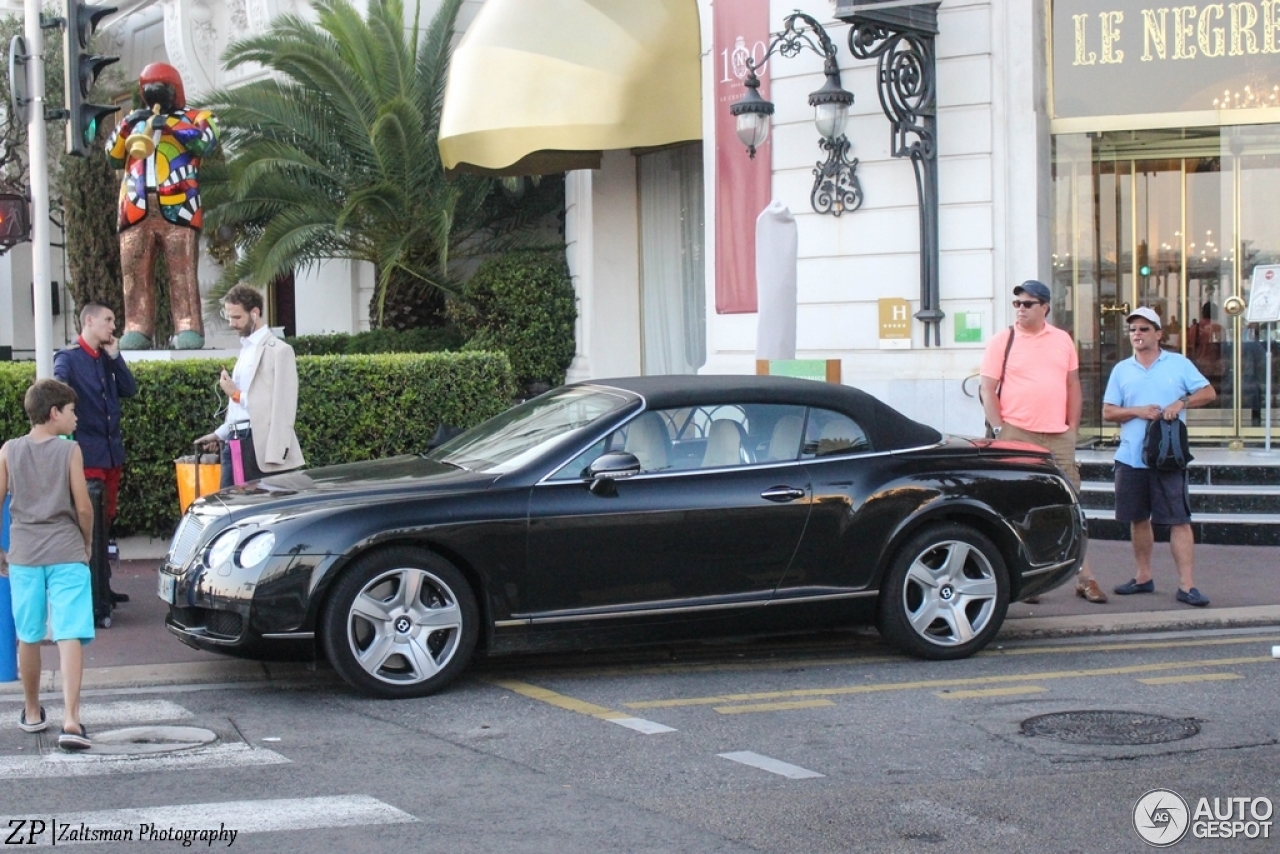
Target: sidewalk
pixel 1243 583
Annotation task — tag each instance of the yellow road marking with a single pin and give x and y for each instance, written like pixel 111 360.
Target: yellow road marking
pixel 1191 677
pixel 943 683
pixel 772 707
pixel 990 692
pixel 838 661
pixel 560 701
pixel 1122 646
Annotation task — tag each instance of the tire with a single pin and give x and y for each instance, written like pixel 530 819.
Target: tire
pixel 945 594
pixel 391 648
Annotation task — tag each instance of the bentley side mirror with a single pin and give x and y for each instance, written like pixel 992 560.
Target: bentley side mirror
pixel 607 468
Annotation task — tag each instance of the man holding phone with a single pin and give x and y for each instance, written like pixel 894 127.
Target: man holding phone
pixel 96 370
pixel 262 396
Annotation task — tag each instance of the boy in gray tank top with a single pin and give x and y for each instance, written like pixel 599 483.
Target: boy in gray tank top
pixel 47 564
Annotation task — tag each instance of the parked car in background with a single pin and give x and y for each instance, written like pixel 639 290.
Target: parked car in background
pixel 628 511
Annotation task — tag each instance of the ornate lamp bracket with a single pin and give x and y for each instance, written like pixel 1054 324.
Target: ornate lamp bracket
pixel 835 187
pixel 901 40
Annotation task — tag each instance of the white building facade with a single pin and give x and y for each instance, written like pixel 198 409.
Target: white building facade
pixel 1044 171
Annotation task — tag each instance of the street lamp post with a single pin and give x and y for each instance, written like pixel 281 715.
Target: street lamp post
pixel 835 187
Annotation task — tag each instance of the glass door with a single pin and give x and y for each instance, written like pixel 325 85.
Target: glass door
pixel 1175 220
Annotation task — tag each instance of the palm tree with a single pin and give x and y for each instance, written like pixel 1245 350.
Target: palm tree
pixel 335 157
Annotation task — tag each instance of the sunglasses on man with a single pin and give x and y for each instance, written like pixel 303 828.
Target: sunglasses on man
pixel 1027 303
pixel 1133 329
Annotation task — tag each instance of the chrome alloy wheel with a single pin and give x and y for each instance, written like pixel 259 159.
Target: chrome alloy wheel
pixel 950 592
pixel 404 626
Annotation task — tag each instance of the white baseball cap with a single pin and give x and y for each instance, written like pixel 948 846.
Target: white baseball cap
pixel 1146 314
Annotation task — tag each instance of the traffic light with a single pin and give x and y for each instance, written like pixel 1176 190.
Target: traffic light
pixel 82 70
pixel 15 220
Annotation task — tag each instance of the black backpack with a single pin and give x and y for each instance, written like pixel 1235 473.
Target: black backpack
pixel 1165 447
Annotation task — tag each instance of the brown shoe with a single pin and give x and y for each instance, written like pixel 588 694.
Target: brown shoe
pixel 1089 589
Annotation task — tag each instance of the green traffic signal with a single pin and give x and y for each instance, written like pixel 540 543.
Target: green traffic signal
pixel 1144 270
pixel 82 70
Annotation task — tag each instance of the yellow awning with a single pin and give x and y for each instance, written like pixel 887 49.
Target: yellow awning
pixel 546 86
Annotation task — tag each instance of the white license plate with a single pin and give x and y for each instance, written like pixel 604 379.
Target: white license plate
pixel 168 587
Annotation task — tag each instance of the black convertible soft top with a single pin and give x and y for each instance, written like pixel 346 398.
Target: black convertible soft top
pixel 887 428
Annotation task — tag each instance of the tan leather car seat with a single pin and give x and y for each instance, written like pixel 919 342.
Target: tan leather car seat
pixel 647 439
pixel 784 442
pixel 724 445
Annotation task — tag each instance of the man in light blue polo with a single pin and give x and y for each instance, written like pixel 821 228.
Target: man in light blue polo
pixel 1151 384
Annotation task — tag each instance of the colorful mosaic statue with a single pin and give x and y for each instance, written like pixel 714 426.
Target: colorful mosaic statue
pixel 160 148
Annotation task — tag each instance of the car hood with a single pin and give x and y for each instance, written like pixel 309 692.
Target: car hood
pixel 395 477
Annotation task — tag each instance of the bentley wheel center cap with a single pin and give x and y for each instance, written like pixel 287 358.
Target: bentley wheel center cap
pixel 946 592
pixel 403 624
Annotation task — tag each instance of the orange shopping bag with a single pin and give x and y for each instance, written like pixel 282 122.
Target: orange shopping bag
pixel 198 474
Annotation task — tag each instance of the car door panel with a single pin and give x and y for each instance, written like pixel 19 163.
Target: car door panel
pixel 695 539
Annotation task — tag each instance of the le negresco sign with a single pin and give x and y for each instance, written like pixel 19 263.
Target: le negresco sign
pixel 1126 57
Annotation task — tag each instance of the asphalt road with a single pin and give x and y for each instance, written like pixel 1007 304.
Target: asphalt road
pixel 825 745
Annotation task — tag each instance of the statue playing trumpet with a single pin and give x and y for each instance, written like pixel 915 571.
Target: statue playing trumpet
pixel 160 148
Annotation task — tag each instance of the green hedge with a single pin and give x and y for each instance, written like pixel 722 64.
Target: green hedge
pixel 349 408
pixel 522 304
pixel 424 340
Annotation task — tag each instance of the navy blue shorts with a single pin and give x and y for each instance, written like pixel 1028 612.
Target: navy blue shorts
pixel 1161 496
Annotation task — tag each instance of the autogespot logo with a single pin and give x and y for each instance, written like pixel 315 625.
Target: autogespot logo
pixel 1161 818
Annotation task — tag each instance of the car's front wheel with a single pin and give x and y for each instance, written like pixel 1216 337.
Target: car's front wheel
pixel 945 594
pixel 400 623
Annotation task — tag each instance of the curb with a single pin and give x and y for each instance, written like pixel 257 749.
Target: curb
pixel 233 671
pixel 1023 628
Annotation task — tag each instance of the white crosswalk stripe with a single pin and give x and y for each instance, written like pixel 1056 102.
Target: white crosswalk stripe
pixel 221 823
pixel 60 764
pixel 101 715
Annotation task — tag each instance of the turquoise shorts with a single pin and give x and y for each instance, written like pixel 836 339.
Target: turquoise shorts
pixel 60 594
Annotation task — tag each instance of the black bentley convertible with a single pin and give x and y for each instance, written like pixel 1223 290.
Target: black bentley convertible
pixel 628 511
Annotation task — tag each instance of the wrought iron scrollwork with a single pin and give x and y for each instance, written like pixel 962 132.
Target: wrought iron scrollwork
pixel 836 188
pixel 902 43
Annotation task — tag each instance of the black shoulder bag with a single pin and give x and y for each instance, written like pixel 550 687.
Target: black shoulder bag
pixel 991 434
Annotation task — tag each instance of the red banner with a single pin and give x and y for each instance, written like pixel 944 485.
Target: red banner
pixel 743 185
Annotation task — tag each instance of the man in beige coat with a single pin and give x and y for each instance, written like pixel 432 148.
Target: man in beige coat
pixel 262 396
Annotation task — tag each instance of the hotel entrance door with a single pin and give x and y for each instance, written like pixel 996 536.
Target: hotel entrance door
pixel 1175 220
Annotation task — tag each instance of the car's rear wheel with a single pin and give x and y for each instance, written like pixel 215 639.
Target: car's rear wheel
pixel 945 594
pixel 400 623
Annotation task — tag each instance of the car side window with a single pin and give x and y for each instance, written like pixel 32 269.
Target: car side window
pixel 832 434
pixel 710 436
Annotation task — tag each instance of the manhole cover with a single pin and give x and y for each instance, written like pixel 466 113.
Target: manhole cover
pixel 151 739
pixel 1102 727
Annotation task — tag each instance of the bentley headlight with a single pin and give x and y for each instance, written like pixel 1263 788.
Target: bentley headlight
pixel 222 548
pixel 256 549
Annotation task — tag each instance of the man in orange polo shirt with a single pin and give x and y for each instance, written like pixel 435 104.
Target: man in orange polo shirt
pixel 1034 395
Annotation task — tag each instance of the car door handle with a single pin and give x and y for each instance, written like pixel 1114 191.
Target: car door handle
pixel 782 493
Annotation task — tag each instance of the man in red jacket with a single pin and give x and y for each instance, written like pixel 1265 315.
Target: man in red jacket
pixel 96 370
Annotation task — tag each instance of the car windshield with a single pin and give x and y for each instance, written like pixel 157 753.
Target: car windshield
pixel 507 441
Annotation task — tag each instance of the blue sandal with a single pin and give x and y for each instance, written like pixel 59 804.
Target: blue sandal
pixel 74 740
pixel 38 726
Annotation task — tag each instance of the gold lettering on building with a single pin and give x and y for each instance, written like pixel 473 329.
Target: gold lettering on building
pixel 1153 33
pixel 1083 55
pixel 1184 26
pixel 1218 46
pixel 1270 25
pixel 1243 18
pixel 1110 35
pixel 1211 31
